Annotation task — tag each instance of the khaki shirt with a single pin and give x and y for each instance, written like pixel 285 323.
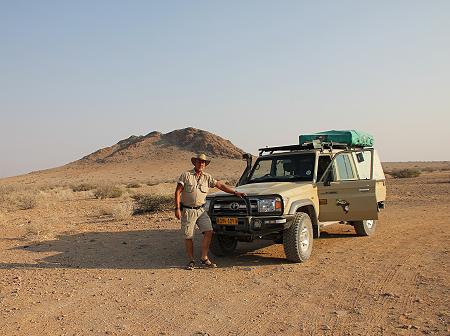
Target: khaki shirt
pixel 195 191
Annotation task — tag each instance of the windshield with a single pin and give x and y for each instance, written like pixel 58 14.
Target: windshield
pixel 283 168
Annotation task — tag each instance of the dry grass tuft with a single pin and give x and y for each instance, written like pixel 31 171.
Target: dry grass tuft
pixel 405 173
pixel 37 230
pixel 119 211
pixel 152 203
pixel 83 187
pixel 133 185
pixel 14 198
pixel 107 191
pixel 25 200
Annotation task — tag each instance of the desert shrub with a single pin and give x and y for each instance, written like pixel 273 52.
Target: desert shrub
pixel 120 211
pixel 25 200
pixel 107 191
pixel 152 203
pixel 14 198
pixel 405 173
pixel 83 187
pixel 5 191
pixel 133 185
pixel 429 169
pixel 38 230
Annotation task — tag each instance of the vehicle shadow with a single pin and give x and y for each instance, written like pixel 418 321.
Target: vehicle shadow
pixel 143 249
pixel 338 231
pixel 253 254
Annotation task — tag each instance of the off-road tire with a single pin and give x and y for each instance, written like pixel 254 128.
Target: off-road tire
pixel 298 238
pixel 365 227
pixel 222 245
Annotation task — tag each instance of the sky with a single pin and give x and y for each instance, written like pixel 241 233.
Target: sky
pixel 76 76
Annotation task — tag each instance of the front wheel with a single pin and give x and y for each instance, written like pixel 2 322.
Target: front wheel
pixel 298 238
pixel 365 227
pixel 222 245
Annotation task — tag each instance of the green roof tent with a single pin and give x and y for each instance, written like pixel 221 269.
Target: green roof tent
pixel 351 138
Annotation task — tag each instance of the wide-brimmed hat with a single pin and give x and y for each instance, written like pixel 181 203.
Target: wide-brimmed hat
pixel 200 157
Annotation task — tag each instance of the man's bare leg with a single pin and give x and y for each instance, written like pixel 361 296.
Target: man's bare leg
pixel 206 241
pixel 189 249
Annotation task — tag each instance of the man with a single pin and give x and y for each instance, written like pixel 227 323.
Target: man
pixel 190 196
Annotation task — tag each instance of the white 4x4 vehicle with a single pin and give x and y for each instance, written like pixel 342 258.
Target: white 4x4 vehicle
pixel 293 191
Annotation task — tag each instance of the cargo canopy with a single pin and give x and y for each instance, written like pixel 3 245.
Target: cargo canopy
pixel 351 138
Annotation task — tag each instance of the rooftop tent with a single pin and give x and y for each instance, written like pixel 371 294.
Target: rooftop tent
pixel 351 138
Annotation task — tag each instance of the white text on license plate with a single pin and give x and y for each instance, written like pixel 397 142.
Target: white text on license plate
pixel 227 220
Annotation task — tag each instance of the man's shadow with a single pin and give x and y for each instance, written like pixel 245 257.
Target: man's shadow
pixel 143 249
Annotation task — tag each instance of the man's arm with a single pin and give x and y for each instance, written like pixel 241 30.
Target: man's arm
pixel 222 186
pixel 178 191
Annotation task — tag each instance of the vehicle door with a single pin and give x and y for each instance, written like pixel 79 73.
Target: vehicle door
pixel 347 188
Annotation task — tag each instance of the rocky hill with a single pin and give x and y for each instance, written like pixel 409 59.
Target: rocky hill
pixel 156 145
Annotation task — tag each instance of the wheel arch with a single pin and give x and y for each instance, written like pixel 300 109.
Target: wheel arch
pixel 307 207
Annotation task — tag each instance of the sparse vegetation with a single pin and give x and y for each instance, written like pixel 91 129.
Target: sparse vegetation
pixel 152 203
pixel 25 200
pixel 83 187
pixel 107 191
pixel 120 211
pixel 13 198
pixel 38 230
pixel 405 173
pixel 133 185
pixel 157 182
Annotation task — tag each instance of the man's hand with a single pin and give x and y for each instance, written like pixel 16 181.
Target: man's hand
pixel 240 194
pixel 178 191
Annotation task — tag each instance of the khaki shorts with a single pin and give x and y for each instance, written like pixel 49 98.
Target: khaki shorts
pixel 190 217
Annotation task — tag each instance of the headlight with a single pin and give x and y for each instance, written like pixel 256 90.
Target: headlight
pixel 207 204
pixel 270 205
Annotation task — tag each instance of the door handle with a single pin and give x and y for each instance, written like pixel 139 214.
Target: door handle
pixel 364 189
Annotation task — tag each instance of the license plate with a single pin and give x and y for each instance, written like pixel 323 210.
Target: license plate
pixel 227 220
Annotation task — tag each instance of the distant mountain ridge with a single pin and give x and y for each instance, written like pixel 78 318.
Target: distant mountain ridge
pixel 156 145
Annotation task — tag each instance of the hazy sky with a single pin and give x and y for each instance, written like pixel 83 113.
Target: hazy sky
pixel 76 76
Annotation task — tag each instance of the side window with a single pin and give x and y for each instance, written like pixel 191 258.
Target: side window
pixel 282 168
pixel 344 167
pixel 322 164
pixel 363 162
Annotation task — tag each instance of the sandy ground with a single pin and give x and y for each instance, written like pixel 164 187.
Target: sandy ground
pixel 85 272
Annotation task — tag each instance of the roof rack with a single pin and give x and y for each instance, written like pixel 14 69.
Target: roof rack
pixel 315 144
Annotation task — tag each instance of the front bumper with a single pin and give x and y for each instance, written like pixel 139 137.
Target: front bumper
pixel 253 227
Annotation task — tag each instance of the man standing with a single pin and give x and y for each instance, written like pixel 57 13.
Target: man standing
pixel 190 196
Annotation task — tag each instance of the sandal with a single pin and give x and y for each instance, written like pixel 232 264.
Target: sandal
pixel 191 265
pixel 207 263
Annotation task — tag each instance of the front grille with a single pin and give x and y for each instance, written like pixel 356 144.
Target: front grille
pixel 229 207
pixel 237 207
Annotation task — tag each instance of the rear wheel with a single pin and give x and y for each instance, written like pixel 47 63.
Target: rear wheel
pixel 222 245
pixel 365 227
pixel 298 238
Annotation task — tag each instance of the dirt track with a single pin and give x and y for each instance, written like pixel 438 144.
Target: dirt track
pixel 125 279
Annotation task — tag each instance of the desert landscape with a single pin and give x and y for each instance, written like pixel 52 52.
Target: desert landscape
pixel 93 248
